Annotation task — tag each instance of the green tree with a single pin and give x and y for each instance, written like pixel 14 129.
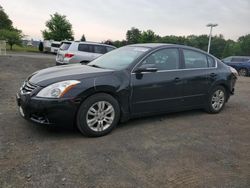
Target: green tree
pixel 133 35
pixel 231 48
pixel 11 36
pixel 58 28
pixel 244 42
pixel 200 41
pixel 119 44
pixel 5 22
pixel 217 46
pixel 83 39
pixel 173 40
pixel 108 42
pixel 148 36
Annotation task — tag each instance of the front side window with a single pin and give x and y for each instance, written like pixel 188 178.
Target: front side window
pixel 166 59
pixel 55 45
pixel 194 60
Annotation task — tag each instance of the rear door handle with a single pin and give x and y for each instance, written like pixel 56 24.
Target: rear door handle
pixel 177 80
pixel 213 75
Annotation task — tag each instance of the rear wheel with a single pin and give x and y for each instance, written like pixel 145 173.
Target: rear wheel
pixel 217 100
pixel 243 72
pixel 98 115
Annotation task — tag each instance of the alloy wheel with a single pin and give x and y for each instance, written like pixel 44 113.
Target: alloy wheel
pixel 100 116
pixel 218 100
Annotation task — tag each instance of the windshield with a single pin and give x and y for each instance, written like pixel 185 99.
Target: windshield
pixel 119 59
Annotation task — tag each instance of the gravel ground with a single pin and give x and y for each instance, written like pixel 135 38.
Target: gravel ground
pixel 187 149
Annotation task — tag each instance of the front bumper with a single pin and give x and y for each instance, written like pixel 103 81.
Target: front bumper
pixel 47 111
pixel 61 63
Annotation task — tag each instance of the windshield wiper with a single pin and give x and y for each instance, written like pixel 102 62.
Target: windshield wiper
pixel 96 66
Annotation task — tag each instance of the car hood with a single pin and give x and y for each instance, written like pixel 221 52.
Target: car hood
pixel 51 75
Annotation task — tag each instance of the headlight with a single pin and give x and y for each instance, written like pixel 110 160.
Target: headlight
pixel 234 71
pixel 57 90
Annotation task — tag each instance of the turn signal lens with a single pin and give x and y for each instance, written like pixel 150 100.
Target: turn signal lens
pixel 234 71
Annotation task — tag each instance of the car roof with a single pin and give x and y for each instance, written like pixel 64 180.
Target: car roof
pixel 87 42
pixel 238 57
pixel 160 45
pixel 97 43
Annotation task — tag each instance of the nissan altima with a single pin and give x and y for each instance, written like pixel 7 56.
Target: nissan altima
pixel 132 81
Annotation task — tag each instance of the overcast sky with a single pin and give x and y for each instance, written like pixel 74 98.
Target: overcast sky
pixel 110 19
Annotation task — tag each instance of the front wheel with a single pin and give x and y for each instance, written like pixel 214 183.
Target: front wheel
pixel 216 100
pixel 98 115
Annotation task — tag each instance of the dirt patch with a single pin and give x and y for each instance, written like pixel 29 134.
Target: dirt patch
pixel 188 149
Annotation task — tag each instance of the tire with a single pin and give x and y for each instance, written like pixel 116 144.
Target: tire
pixel 98 115
pixel 243 72
pixel 216 100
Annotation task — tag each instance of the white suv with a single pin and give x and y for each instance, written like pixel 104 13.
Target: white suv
pixel 80 52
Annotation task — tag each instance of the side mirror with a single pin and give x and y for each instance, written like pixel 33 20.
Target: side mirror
pixel 146 68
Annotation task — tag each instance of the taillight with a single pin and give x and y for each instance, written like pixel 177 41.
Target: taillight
pixel 68 55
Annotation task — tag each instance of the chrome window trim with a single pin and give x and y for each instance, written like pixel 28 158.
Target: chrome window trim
pixel 208 68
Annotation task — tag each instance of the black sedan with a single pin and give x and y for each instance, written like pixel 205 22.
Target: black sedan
pixel 132 81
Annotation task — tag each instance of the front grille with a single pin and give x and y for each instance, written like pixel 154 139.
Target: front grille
pixel 28 87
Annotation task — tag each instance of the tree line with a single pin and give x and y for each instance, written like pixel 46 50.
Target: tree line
pixel 220 46
pixel 59 28
pixel 7 31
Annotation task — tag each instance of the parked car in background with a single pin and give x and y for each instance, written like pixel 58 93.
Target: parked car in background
pixel 132 81
pixel 80 52
pixel 240 63
pixel 47 46
pixel 51 46
pixel 55 45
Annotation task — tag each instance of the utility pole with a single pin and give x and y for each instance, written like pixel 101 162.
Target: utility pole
pixel 210 35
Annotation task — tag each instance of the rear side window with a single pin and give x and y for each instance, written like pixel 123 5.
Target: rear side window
pixel 227 60
pixel 99 49
pixel 210 61
pixel 85 48
pixel 238 59
pixel 246 59
pixel 65 46
pixel 194 60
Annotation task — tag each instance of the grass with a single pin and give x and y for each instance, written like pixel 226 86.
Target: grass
pixel 16 48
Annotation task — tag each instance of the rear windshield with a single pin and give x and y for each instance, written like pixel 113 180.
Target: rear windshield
pixel 65 46
pixel 55 45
